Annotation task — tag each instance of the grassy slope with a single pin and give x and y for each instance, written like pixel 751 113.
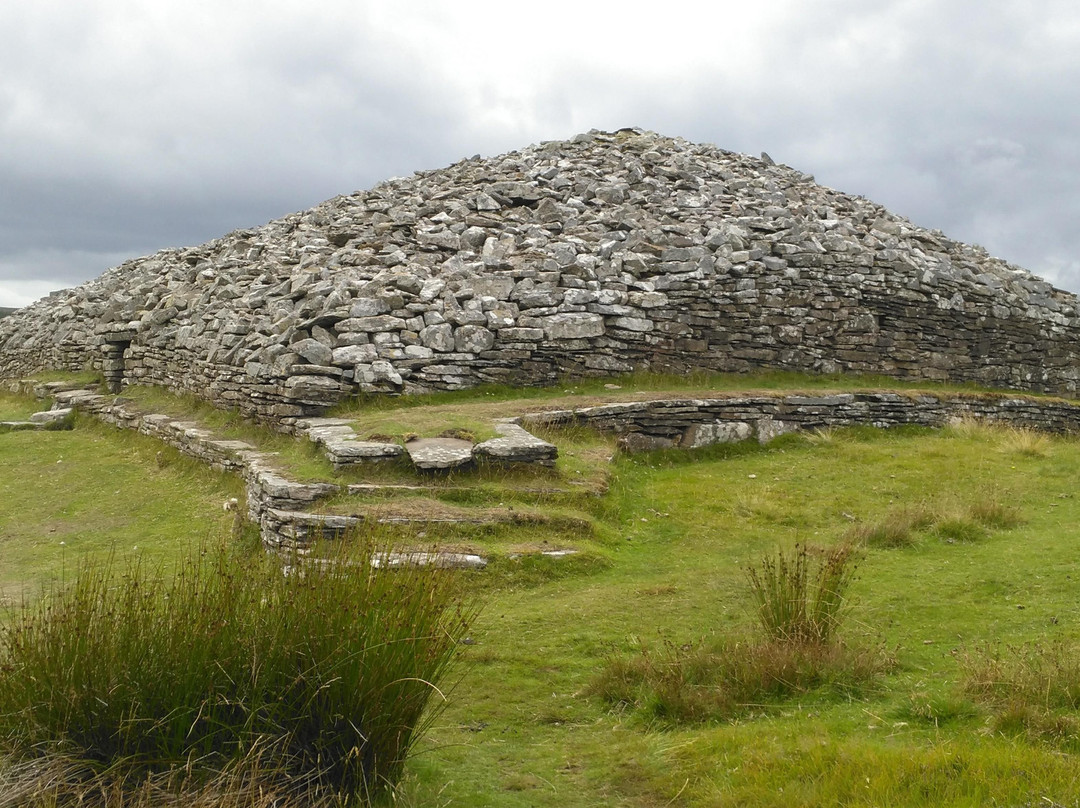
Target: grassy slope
pixel 17 408
pixel 680 531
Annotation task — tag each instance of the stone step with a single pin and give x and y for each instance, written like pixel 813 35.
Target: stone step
pixel 439 454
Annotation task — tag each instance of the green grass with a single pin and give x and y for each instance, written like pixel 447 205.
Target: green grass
pixel 96 490
pixel 531 735
pixel 666 568
pixel 18 408
pixel 1030 689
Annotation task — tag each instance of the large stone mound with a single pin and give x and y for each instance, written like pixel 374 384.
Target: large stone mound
pixel 599 255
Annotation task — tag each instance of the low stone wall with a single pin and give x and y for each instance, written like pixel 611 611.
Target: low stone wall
pixel 270 496
pixel 282 507
pixel 692 423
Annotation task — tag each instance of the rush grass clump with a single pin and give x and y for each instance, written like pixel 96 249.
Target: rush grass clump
pixel 324 677
pixel 800 595
pixel 728 678
pixel 965 521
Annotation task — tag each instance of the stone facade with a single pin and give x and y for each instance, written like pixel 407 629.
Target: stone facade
pixel 595 256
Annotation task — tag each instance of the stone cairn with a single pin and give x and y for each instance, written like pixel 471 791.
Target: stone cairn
pixel 603 254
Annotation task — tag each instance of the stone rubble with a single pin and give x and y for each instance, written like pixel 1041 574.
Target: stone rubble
pixel 599 255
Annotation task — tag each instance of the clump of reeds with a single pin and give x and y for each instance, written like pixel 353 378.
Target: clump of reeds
pixel 322 678
pixel 801 601
pixel 800 595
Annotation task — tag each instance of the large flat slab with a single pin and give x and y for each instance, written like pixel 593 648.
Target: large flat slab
pixel 439 454
pixel 516 445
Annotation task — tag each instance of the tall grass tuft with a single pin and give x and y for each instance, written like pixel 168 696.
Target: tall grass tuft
pixel 1031 689
pixel 897 528
pixel 800 598
pixel 323 678
pixel 800 595
pixel 1025 442
pixel 953 521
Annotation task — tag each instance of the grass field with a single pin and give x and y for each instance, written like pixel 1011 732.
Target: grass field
pixel 97 490
pixel 986 569
pixel 520 730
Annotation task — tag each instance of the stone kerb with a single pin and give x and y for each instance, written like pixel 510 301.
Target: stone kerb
pixel 693 423
pixel 282 507
pixel 279 505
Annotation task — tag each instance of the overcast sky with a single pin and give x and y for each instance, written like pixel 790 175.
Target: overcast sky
pixel 127 126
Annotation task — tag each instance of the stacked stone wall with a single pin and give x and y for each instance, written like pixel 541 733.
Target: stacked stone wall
pixel 608 253
pixel 693 423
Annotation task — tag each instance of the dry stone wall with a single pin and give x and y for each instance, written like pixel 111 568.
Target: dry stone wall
pixel 599 255
pixel 694 423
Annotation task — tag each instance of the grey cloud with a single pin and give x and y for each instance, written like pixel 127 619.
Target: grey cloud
pixel 126 133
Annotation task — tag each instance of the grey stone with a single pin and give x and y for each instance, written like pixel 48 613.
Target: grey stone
pixel 313 351
pixel 354 355
pixel 699 435
pixel 368 307
pixel 769 429
pixel 53 416
pixel 439 454
pixel 353 452
pixel 313 388
pixel 439 337
pixel 516 445
pixel 382 322
pixel 473 339
pixel 573 326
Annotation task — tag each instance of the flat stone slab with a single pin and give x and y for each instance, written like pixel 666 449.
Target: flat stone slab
pixel 331 432
pixel 16 426
pixel 51 416
pixel 439 453
pixel 516 445
pixel 352 452
pixel 441 560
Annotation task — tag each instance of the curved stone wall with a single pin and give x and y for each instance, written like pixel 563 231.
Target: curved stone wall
pixel 599 255
pixel 694 423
